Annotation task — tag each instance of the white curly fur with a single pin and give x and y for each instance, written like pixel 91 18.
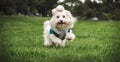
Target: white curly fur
pixel 59 13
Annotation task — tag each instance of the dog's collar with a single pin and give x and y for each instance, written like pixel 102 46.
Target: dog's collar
pixel 57 35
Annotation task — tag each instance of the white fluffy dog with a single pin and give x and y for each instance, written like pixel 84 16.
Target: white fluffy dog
pixel 58 29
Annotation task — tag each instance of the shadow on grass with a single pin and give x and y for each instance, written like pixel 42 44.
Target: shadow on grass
pixel 87 58
pixel 4 46
pixel 114 55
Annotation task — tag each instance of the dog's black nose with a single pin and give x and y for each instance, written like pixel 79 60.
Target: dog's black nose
pixel 61 21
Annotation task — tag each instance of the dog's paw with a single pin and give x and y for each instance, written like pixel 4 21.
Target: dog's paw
pixel 48 43
pixel 62 45
pixel 70 36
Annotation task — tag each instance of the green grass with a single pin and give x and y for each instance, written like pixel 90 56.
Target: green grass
pixel 21 40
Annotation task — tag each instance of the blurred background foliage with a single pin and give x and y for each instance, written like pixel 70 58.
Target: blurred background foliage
pixel 106 10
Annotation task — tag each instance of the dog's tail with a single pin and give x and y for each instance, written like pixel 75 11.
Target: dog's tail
pixel 46 23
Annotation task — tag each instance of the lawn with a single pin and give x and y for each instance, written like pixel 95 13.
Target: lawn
pixel 21 40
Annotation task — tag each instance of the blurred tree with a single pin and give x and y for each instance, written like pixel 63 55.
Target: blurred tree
pixel 44 6
pixel 80 10
pixel 112 8
pixel 26 7
pixel 7 7
pixel 116 12
pixel 109 9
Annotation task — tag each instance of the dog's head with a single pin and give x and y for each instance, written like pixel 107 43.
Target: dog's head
pixel 61 19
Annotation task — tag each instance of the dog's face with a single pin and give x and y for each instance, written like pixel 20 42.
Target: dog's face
pixel 61 20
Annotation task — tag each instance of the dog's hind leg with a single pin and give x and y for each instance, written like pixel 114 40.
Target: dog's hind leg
pixel 63 43
pixel 47 42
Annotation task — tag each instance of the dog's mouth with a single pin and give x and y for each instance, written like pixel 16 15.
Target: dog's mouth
pixel 61 26
pixel 61 23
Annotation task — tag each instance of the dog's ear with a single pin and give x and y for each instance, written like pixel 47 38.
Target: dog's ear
pixel 68 13
pixel 72 19
pixel 53 11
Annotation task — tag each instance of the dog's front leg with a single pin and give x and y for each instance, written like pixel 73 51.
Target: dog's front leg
pixel 57 41
pixel 70 36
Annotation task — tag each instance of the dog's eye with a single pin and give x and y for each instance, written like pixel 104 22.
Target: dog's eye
pixel 63 16
pixel 57 16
